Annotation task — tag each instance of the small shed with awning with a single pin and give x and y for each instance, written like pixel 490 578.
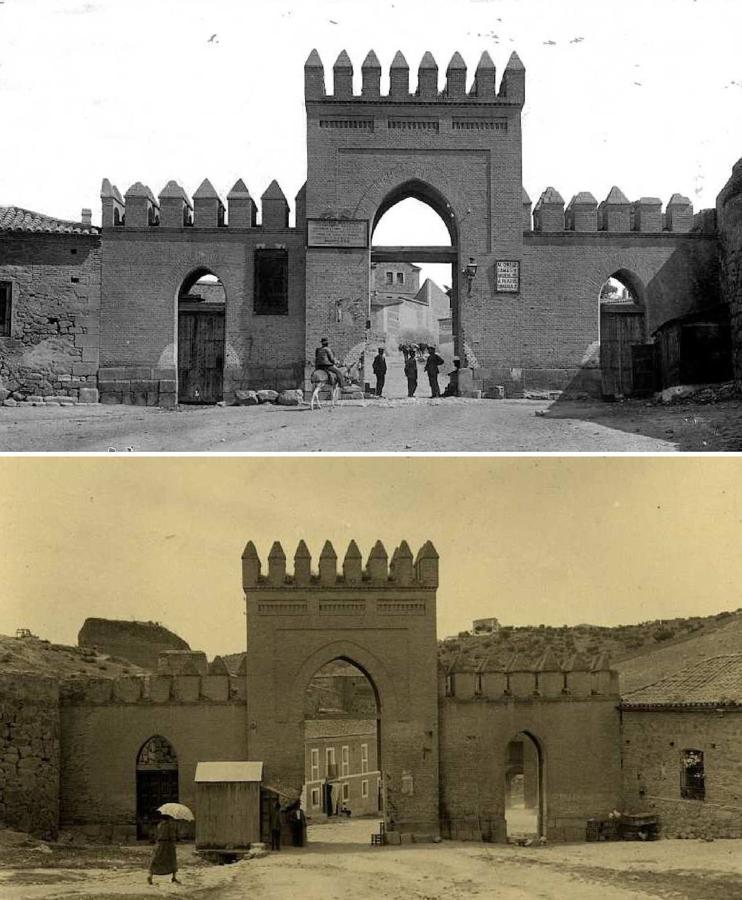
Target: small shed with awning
pixel 228 805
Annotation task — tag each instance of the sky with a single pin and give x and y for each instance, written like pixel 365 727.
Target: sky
pixel 552 540
pixel 645 95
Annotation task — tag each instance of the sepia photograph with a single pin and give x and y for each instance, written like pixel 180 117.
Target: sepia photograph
pixel 381 677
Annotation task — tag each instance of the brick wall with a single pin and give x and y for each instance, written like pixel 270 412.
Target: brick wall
pixel 52 350
pixel 29 754
pixel 580 744
pixel 143 270
pixel 652 744
pixel 105 723
pixel 547 336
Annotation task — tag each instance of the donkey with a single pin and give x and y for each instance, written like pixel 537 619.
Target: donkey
pixel 320 377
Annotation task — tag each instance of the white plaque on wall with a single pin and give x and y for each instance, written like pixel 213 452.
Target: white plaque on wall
pixel 337 233
pixel 507 276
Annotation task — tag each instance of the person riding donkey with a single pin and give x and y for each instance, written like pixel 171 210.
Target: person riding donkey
pixel 324 360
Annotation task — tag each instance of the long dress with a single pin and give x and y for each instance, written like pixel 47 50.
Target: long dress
pixel 164 860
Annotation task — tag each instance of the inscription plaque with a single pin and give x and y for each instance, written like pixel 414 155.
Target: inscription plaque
pixel 507 276
pixel 337 233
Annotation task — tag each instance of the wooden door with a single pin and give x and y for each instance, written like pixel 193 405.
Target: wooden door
pixel 200 356
pixel 154 787
pixel 621 328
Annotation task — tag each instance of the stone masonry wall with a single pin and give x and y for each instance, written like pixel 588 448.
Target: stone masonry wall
pixel 52 351
pixel 652 744
pixel 729 219
pixel 29 754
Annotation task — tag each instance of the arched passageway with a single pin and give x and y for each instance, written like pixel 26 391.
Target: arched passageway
pixel 201 314
pixel 524 788
pixel 342 796
pixel 157 782
pixel 626 358
pixel 412 287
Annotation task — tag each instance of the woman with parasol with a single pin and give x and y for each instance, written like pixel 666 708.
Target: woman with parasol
pixel 164 859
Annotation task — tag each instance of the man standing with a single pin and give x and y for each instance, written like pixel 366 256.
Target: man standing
pixel 410 371
pixel 379 367
pixel 324 359
pixel 432 364
pixel 275 823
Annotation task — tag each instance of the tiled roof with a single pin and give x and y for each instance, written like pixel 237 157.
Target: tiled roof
pixel 716 681
pixel 317 728
pixel 13 218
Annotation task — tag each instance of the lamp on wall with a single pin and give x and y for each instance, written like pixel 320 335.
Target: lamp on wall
pixel 470 270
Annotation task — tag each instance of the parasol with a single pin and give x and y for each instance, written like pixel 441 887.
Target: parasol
pixel 176 811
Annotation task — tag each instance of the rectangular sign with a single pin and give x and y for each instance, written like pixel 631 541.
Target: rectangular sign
pixel 507 276
pixel 337 233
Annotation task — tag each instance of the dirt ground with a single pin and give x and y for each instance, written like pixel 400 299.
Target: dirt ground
pixel 339 863
pixel 419 425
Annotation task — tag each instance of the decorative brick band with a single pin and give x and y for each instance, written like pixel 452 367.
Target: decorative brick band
pixel 277 608
pixel 414 124
pixel 349 608
pixel 479 124
pixel 400 608
pixel 357 124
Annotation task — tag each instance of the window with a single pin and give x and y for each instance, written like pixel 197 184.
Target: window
pixel 5 295
pixel 346 791
pixel 330 767
pixel 478 687
pixel 314 764
pixel 692 776
pixel 345 761
pixel 450 686
pixel 390 277
pixel 400 277
pixel 364 789
pixel 315 798
pixel 271 283
pixel 364 758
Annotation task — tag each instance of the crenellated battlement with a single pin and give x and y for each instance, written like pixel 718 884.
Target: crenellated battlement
pixel 614 214
pixel 218 685
pixel 481 91
pixel 501 679
pixel 401 570
pixel 173 208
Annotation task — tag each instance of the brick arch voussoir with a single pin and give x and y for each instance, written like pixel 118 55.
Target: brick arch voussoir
pixel 431 174
pixel 369 663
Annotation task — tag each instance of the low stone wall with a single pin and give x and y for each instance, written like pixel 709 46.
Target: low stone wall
pixel 29 754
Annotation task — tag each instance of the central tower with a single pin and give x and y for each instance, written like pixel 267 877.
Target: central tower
pixel 458 150
pixel 381 618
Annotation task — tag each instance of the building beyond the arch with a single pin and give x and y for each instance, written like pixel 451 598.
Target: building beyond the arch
pixel 85 308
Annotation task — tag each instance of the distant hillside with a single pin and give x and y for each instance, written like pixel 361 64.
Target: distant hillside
pixel 40 657
pixel 642 653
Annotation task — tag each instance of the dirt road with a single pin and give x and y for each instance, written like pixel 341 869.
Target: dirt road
pixel 451 426
pixel 336 866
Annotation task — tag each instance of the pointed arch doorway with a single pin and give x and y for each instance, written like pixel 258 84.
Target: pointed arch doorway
pixel 201 335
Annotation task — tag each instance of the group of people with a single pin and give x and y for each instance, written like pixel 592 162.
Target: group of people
pixel 433 362
pixel 295 819
pixel 324 360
